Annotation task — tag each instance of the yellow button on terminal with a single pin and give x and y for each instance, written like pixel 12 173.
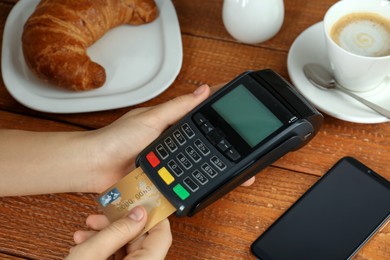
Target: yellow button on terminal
pixel 166 175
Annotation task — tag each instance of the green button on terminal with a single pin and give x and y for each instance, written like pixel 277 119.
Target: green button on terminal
pixel 181 191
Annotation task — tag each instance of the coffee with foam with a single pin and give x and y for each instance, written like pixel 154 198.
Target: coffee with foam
pixel 365 34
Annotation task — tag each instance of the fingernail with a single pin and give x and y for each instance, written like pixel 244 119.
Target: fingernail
pixel 200 90
pixel 136 214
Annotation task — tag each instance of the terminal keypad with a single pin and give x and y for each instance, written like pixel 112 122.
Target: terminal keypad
pixel 184 162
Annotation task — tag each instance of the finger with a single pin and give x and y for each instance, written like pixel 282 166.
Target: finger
pixel 80 236
pixel 112 238
pixel 97 222
pixel 155 244
pixel 171 111
pixel 249 182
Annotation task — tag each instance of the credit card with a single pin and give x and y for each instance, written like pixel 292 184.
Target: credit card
pixel 133 190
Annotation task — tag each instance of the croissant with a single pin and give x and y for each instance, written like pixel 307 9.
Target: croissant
pixel 56 37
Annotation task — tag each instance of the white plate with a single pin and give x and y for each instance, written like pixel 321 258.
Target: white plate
pixel 140 61
pixel 309 47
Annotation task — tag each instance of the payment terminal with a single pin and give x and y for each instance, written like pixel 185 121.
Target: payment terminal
pixel 244 127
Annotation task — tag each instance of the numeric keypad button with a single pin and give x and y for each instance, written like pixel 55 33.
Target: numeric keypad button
pixel 199 177
pixel 175 168
pixel 170 144
pixel 190 184
pixel 184 161
pixel 161 151
pixel 193 154
pixel 209 170
pixel 202 147
pixel 179 137
pixel 218 163
pixel 188 130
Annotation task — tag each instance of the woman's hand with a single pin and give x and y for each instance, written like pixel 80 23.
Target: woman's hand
pixel 115 239
pixel 118 144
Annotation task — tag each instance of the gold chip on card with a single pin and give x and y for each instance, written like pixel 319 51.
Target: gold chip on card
pixel 133 190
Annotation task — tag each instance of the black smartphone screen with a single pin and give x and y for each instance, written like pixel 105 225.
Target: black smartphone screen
pixel 333 219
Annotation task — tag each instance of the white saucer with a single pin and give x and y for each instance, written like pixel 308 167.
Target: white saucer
pixel 140 61
pixel 309 47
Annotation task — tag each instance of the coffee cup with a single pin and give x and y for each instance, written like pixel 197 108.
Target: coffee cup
pixel 357 34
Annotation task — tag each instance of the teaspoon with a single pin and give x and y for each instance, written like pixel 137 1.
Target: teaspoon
pixel 322 78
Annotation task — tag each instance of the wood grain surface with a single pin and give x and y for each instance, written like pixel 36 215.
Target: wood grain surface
pixel 41 227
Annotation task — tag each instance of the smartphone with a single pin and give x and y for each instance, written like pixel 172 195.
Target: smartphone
pixel 333 219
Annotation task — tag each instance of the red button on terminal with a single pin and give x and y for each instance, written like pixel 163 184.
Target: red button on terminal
pixel 152 159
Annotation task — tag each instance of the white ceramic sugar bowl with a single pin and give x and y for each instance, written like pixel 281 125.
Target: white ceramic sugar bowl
pixel 253 21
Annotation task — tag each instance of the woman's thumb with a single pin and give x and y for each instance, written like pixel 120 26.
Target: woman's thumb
pixel 171 111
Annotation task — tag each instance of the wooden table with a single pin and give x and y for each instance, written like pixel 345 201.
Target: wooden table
pixel 41 227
